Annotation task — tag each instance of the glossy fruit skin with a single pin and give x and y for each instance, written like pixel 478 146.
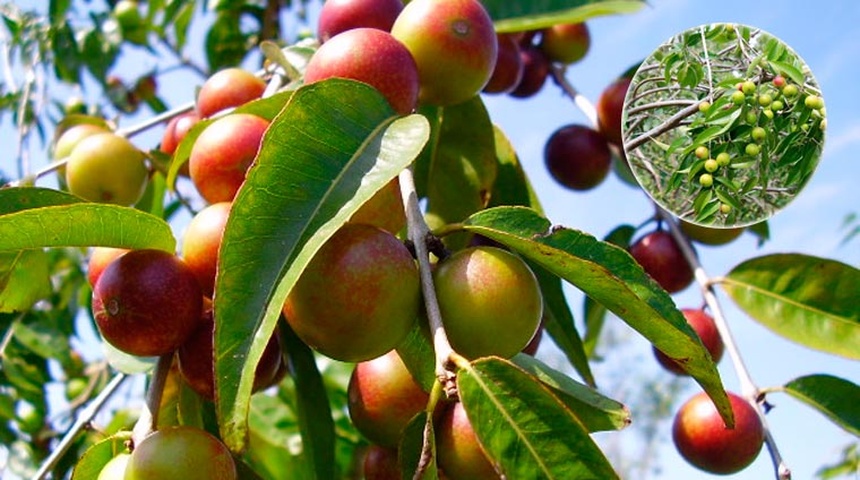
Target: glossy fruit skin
pixel 107 168
pixel 196 364
pixel 176 130
pixel 490 301
pixel 201 243
pixel 358 297
pixel 752 149
pixel 758 134
pixel 814 102
pixel 535 72
pixel 711 165
pixel 381 463
pixel 702 152
pixel 100 258
pixel 723 159
pixel 706 329
pixel 459 453
pixel 446 36
pixel 706 180
pixel 147 303
pixel 790 91
pixel 702 438
pixel 383 397
pixel 222 154
pixel 610 106
pixel 115 468
pixel 384 209
pixel 228 88
pixel 373 57
pixel 508 71
pixel 181 452
pixel 704 107
pixel 566 42
pixel 778 81
pixel 738 98
pixel 710 236
pixel 337 16
pixel 72 136
pixel 748 87
pixel 578 157
pixel 662 259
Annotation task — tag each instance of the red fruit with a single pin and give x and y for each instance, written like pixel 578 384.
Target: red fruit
pixel 779 81
pixel 202 241
pixel 566 43
pixel 706 329
pixel 663 260
pixel 508 71
pixel 176 130
pixel 578 157
pixel 535 70
pixel 459 453
pixel 100 258
pixel 222 154
pixel 373 57
pixel 338 16
pixel 383 397
pixel 147 303
pixel 609 109
pixel 381 463
pixel 534 343
pixel 702 438
pixel 384 209
pixel 180 452
pixel 228 88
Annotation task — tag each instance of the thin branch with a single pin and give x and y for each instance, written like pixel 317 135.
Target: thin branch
pixel 148 420
pixel 581 101
pixel 661 104
pixel 664 127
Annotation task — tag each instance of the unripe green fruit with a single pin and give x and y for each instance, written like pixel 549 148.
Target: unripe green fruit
pixel 180 452
pixel 704 107
pixel 777 105
pixel 758 134
pixel 702 152
pixel 752 149
pixel 765 99
pixel 748 87
pixel 725 208
pixel 789 91
pixel 823 124
pixel 490 301
pixel 814 102
pixel 723 159
pixel 115 468
pixel 768 114
pixel 105 167
pixel 751 118
pixel 711 165
pixel 706 180
pixel 738 98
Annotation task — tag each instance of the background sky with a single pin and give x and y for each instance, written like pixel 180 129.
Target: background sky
pixel 826 35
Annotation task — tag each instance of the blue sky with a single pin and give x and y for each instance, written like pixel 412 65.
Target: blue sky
pixel 827 36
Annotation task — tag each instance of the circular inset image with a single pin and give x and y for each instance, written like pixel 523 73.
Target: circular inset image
pixel 723 125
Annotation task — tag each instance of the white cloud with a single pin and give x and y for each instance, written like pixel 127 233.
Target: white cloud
pixel 843 139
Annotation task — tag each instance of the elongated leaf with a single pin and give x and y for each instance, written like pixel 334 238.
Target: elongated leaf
pixel 511 16
pixel 24 198
pixel 412 447
pixel 595 411
pixel 524 428
pixel 809 300
pixel 98 455
pixel 609 275
pixel 24 279
pixel 332 147
pixel 835 397
pixel 84 225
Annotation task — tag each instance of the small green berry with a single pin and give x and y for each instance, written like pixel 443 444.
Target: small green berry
pixel 706 180
pixel 758 134
pixel 768 113
pixel 805 127
pixel 752 149
pixel 748 87
pixel 765 99
pixel 823 124
pixel 723 159
pixel 704 107
pixel 789 91
pixel 725 208
pixel 711 165
pixel 738 98
pixel 777 105
pixel 813 101
pixel 702 152
pixel 751 118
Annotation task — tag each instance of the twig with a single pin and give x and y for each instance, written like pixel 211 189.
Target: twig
pixel 664 127
pixel 86 415
pixel 148 420
pixel 661 104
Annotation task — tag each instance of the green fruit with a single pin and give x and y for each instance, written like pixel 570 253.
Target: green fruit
pixel 751 118
pixel 115 468
pixel 738 98
pixel 752 149
pixel 447 36
pixel 725 208
pixel 706 180
pixel 704 107
pixel 105 167
pixel 814 102
pixel 358 297
pixel 723 159
pixel 711 165
pixel 180 452
pixel 758 134
pixel 777 105
pixel 702 152
pixel 765 99
pixel 790 91
pixel 768 113
pixel 470 285
pixel 748 87
pixel 76 387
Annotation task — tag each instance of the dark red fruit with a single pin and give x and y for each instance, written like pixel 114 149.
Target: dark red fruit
pixel 609 109
pixel 381 463
pixel 705 327
pixel 535 70
pixel 663 260
pixel 578 157
pixel 338 16
pixel 460 455
pixel 509 66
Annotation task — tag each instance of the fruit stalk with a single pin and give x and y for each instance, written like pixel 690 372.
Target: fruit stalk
pixel 419 234
pixel 147 422
pixel 81 422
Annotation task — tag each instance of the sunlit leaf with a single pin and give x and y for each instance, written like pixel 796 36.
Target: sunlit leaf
pixel 97 456
pixel 24 279
pixel 519 16
pixel 835 397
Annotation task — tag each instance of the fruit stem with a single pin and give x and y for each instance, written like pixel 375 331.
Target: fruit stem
pixel 81 422
pixel 427 449
pixel 148 421
pixel 750 391
pixel 581 101
pixel 419 234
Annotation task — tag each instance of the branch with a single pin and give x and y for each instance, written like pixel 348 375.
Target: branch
pixel 148 420
pixel 661 104
pixel 664 127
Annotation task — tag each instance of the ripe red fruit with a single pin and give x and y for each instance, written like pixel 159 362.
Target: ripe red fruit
pixel 100 258
pixel 508 71
pixel 535 70
pixel 578 157
pixel 702 438
pixel 373 57
pixel 384 209
pixel 447 36
pixel 459 453
pixel 337 16
pixel 228 88
pixel 610 108
pixel 779 81
pixel 176 130
pixel 222 154
pixel 469 286
pixel 705 327
pixel 180 452
pixel 383 397
pixel 196 364
pixel 381 463
pixel 358 297
pixel 566 43
pixel 202 241
pixel 147 303
pixel 662 259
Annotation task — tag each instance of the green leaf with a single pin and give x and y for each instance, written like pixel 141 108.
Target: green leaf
pixel 84 225
pixel 412 444
pixel 520 16
pixel 835 397
pixel 416 351
pixel 512 186
pixel 96 457
pixel 609 275
pixel 525 430
pixel 226 44
pixel 788 70
pixel 809 300
pixel 334 145
pixel 24 198
pixel 595 411
pixel 25 278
